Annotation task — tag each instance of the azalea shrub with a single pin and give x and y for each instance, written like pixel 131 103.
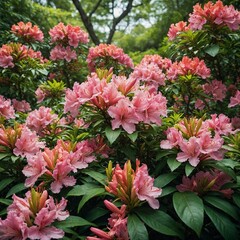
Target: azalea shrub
pixel 93 147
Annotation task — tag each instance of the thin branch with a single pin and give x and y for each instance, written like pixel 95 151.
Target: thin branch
pixel 94 8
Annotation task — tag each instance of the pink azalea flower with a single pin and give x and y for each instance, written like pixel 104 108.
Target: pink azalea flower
pixel 27 31
pixel 190 151
pixel 125 85
pixel 27 145
pixel 13 227
pixel 35 169
pixel 177 28
pixel 6 109
pixel 6 60
pixel 217 89
pixel 40 95
pixel 21 106
pixel 61 53
pixel 124 115
pixel 234 101
pixel 174 138
pixel 143 185
pixel 39 119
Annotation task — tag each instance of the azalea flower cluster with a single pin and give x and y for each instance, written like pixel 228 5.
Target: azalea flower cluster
pixel 19 140
pixel 120 98
pixel 12 53
pixel 198 140
pixel 132 187
pixel 27 31
pixel 203 182
pixel 117 224
pixel 54 166
pixel 177 28
pixel 152 70
pixel 66 37
pixel 106 56
pixel 235 100
pixel 32 217
pixel 214 14
pixel 188 66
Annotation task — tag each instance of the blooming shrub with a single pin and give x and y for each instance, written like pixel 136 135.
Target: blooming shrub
pixel 93 147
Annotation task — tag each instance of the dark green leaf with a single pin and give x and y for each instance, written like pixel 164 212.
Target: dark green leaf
pixel 225 227
pixel 15 189
pixel 99 177
pixel 188 169
pixel 164 179
pixel 133 136
pixel 173 163
pixel 236 199
pixel 223 205
pixel 167 190
pixel 136 228
pixel 5 182
pixel 80 190
pixel 5 201
pixel 3 155
pixel 160 222
pixel 73 221
pixel 212 50
pixel 90 194
pixel 189 208
pixel 112 135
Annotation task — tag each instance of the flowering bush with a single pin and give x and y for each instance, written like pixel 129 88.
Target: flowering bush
pixel 129 152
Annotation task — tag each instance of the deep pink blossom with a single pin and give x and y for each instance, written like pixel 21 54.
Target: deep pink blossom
pixel 203 182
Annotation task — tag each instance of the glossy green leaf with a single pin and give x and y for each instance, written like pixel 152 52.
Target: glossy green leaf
pixel 188 169
pixel 173 163
pixel 189 208
pixel 5 201
pixel 73 221
pixel 112 135
pixel 90 194
pixel 133 136
pixel 236 199
pixel 136 228
pixel 15 189
pixel 225 227
pixel 212 50
pixel 5 182
pixel 167 190
pixel 160 222
pixel 164 179
pixel 223 205
pixel 80 190
pixel 99 177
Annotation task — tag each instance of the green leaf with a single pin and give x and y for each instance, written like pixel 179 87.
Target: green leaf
pixel 3 155
pixel 99 177
pixel 15 189
pixel 80 190
pixel 43 71
pixel 96 213
pixel 173 163
pixel 236 199
pixel 189 208
pixel 73 221
pixel 14 158
pixel 5 182
pixel 212 50
pixel 136 228
pixel 164 179
pixel 223 205
pixel 5 201
pixel 224 226
pixel 90 194
pixel 160 222
pixel 112 135
pixel 167 190
pixel 133 136
pixel 188 169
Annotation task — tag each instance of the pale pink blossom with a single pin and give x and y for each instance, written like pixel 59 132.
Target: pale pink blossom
pixel 27 144
pixel 6 109
pixel 125 85
pixel 21 106
pixel 63 53
pixel 39 119
pixel 177 28
pixel 143 185
pixel 216 88
pixel 28 31
pixel 234 101
pixel 40 95
pixel 124 115
pixel 174 138
pixel 190 151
